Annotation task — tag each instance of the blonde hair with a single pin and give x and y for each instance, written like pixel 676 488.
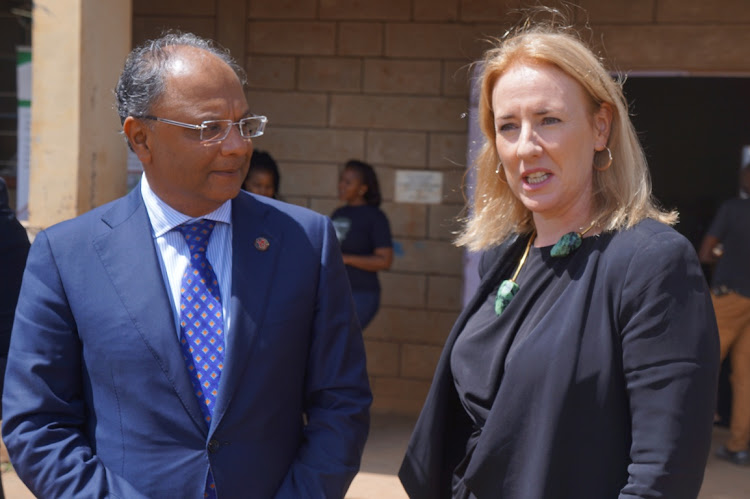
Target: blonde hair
pixel 622 193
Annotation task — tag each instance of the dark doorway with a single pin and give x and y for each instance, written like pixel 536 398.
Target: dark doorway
pixel 693 130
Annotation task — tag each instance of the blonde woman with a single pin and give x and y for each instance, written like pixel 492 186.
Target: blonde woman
pixel 585 366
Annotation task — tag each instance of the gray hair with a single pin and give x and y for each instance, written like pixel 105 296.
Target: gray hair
pixel 141 82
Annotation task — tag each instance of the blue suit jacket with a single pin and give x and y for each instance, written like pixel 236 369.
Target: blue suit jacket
pixel 97 399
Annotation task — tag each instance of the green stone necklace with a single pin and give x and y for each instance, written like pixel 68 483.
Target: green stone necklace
pixel 509 287
pixel 566 245
pixel 569 242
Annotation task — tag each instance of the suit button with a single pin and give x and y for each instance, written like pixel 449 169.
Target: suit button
pixel 213 446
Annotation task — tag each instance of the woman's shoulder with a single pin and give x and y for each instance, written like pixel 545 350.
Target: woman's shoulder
pixel 371 208
pixel 648 245
pixel 363 209
pixel 648 233
pixel 371 212
pixel 379 213
pixel 338 211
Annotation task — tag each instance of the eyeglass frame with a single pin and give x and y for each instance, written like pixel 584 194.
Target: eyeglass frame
pixel 203 126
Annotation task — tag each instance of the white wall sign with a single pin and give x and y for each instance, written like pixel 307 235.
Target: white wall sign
pixel 419 187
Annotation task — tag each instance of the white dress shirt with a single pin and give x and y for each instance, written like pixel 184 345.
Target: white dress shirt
pixel 174 254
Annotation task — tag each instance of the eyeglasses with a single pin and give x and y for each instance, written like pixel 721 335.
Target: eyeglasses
pixel 218 130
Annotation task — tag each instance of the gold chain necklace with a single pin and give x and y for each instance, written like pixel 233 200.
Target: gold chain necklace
pixel 566 245
pixel 509 287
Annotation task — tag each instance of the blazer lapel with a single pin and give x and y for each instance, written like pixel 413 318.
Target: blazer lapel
pixel 129 256
pixel 256 246
pixel 428 441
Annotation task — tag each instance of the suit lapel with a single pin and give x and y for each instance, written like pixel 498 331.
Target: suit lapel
pixel 256 246
pixel 128 254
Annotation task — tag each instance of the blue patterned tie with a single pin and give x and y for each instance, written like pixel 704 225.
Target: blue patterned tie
pixel 202 323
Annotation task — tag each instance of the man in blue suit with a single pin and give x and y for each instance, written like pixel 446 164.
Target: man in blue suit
pixel 144 363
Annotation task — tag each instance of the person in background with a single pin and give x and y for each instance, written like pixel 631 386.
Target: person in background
pixel 263 177
pixel 14 248
pixel 189 339
pixel 727 245
pixel 365 236
pixel 585 366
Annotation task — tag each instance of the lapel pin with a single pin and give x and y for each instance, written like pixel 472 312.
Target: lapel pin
pixel 262 244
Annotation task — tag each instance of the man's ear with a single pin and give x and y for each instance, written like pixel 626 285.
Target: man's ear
pixel 602 126
pixel 138 134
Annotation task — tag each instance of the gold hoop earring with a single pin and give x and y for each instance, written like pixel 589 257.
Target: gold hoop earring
pixel 499 172
pixel 609 163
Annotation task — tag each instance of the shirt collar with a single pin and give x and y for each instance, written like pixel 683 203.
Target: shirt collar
pixel 165 218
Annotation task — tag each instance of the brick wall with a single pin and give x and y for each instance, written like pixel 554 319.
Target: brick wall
pixel 386 81
pixel 373 81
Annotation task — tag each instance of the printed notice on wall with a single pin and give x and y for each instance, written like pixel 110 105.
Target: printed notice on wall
pixel 419 187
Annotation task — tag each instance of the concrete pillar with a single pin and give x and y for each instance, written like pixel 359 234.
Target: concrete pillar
pixel 78 158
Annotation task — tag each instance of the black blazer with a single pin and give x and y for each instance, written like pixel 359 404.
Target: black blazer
pixel 612 395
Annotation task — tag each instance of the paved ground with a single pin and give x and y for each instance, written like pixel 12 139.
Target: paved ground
pixel 386 446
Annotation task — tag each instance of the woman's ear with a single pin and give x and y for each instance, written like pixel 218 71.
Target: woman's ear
pixel 602 126
pixel 138 133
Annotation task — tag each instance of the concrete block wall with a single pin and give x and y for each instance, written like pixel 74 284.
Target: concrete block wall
pixel 387 82
pixel 347 79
